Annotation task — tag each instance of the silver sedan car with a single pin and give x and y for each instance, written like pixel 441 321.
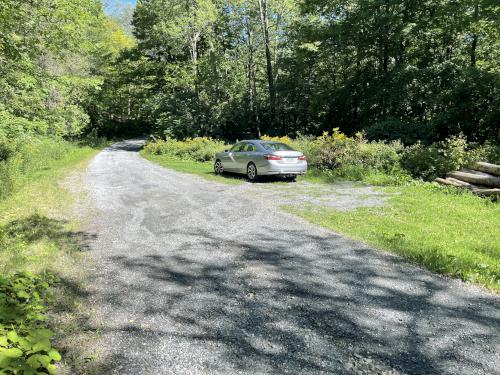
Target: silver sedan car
pixel 261 158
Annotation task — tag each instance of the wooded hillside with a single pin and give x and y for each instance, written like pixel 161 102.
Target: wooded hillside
pixel 230 69
pixel 416 70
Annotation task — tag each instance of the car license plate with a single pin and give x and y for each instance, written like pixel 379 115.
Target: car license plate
pixel 290 160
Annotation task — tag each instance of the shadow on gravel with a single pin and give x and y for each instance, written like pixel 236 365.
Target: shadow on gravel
pixel 134 145
pixel 271 309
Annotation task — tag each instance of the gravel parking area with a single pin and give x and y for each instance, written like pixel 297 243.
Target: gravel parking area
pixel 196 277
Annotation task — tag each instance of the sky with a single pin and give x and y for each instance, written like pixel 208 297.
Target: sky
pixel 113 6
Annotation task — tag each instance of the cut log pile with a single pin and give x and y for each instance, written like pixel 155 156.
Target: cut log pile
pixel 482 179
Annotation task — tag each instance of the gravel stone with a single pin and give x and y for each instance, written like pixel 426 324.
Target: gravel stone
pixel 195 277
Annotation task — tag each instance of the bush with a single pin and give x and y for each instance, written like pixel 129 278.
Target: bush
pixel 393 129
pixel 197 149
pixel 429 162
pixel 354 158
pixel 25 349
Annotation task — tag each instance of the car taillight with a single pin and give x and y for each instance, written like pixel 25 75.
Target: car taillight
pixel 302 157
pixel 272 157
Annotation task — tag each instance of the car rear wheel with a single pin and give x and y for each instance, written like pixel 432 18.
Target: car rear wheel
pixel 291 178
pixel 218 167
pixel 252 172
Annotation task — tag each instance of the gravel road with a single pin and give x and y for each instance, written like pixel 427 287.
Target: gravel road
pixel 196 277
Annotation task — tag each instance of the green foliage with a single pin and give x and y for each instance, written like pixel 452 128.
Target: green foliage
pixel 338 156
pixel 25 346
pixel 23 158
pixel 52 57
pixel 429 162
pixel 348 157
pixel 409 70
pixel 393 129
pixel 196 149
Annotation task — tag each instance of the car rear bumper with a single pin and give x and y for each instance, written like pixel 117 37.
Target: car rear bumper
pixel 272 169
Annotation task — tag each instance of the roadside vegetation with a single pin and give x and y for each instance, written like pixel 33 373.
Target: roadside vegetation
pixel 335 156
pixel 53 55
pixel 38 247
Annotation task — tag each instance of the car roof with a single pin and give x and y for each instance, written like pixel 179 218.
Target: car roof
pixel 257 141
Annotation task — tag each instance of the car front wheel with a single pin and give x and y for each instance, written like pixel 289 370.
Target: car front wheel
pixel 252 172
pixel 218 167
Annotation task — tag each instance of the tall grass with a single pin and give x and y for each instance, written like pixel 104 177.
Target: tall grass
pixel 26 158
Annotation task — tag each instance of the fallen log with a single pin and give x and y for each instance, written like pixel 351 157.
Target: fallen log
pixel 478 190
pixel 487 192
pixel 488 168
pixel 476 178
pixel 453 182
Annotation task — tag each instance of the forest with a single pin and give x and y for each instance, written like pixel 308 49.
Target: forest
pixel 408 70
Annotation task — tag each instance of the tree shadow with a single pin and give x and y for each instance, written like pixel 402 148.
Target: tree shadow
pixel 273 308
pixel 37 227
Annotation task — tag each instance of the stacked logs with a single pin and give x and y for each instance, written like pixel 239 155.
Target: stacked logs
pixel 483 179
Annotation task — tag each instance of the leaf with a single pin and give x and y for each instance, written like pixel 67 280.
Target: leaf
pixel 11 353
pixel 24 344
pixel 3 341
pixel 13 337
pixel 23 294
pixel 54 354
pixel 33 362
pixel 38 360
pixel 51 369
pixel 42 346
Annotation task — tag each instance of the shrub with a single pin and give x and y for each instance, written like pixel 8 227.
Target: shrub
pixel 347 157
pixel 25 349
pixel 393 129
pixel 197 149
pixel 429 162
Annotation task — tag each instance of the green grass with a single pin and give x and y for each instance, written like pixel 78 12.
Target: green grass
pixel 35 235
pixel 204 170
pixel 448 232
pixel 40 267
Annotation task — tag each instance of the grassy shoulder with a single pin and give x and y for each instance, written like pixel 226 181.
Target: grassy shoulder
pixel 203 169
pixel 38 255
pixel 447 231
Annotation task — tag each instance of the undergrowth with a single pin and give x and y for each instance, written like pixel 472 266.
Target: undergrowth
pixel 37 242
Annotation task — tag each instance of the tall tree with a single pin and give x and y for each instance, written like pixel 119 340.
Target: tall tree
pixel 263 7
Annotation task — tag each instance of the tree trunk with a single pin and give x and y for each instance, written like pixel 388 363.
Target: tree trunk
pixel 270 76
pixel 252 88
pixel 488 168
pixel 473 56
pixel 194 59
pixel 476 178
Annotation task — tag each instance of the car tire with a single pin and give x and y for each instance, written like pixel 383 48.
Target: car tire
pixel 252 173
pixel 291 179
pixel 218 167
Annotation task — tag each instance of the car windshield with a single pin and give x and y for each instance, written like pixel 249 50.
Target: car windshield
pixel 276 146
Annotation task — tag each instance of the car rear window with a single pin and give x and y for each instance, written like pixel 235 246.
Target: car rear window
pixel 276 146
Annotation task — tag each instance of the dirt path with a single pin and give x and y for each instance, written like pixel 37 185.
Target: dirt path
pixel 194 277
